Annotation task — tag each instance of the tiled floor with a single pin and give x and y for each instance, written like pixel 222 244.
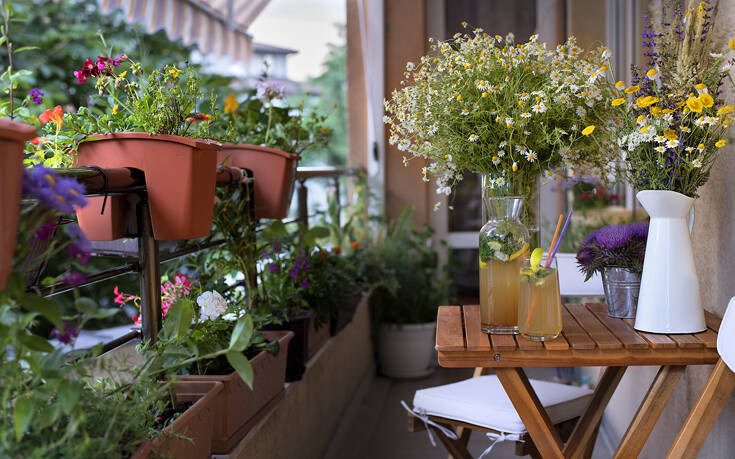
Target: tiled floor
pixel 376 427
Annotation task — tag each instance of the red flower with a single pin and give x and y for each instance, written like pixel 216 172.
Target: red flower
pixel 199 117
pixel 39 140
pixel 55 115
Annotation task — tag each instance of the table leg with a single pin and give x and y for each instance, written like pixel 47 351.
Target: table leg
pixel 649 411
pixel 704 413
pixel 584 431
pixel 542 431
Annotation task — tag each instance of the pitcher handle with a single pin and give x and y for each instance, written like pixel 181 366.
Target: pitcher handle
pixel 690 219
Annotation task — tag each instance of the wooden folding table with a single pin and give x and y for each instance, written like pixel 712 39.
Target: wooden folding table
pixel 589 338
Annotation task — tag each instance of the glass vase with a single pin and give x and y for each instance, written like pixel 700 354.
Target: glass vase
pixel 503 240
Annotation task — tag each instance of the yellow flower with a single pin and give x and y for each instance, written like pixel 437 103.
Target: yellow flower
pixel 720 143
pixel 694 104
pixel 515 166
pixel 640 118
pixel 484 95
pixel 632 89
pixel 114 110
pixel 231 103
pixel 726 109
pixel 706 100
pixel 670 134
pixel 645 128
pixel 655 111
pixel 651 74
pixel 588 130
pixel 731 44
pixel 175 72
pixel 122 75
pixel 619 84
pixel 645 101
pixel 617 102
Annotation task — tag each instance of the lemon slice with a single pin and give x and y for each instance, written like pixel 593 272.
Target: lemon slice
pixel 536 258
pixel 526 271
pixel 520 252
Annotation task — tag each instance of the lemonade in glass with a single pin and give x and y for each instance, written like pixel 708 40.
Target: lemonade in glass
pixel 539 301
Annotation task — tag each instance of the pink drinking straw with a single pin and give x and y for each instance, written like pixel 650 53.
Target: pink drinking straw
pixel 558 243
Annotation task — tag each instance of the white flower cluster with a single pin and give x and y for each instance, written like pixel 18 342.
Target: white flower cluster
pixel 212 305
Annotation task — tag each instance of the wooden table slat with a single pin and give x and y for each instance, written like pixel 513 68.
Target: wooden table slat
pixel 574 333
pixel 626 335
pixel 503 342
pixel 599 333
pixel 449 334
pixel 709 338
pixel 557 344
pixel 686 341
pixel 528 345
pixel 477 340
pixel 656 341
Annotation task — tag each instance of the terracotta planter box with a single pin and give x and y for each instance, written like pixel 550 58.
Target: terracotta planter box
pixel 196 424
pixel 117 221
pixel 13 136
pixel 318 337
pixel 180 176
pixel 298 348
pixel 274 172
pixel 238 407
pixel 344 316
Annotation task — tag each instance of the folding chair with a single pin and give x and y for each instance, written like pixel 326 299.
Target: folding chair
pixel 480 403
pixel 714 395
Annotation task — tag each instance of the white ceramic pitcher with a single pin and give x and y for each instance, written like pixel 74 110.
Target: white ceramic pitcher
pixel 669 299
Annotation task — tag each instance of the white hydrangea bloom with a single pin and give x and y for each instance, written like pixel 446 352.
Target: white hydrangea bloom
pixel 212 305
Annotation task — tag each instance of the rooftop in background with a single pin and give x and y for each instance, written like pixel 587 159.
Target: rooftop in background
pixel 271 49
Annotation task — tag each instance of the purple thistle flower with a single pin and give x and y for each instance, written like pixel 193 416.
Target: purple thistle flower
pixel 44 232
pixel 66 335
pixel 589 238
pixel 613 236
pixel 586 256
pixel 74 278
pixel 36 95
pixel 294 273
pixel 273 267
pixel 639 229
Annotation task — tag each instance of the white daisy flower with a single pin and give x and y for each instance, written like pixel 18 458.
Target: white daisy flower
pixel 501 153
pixel 525 115
pixel 531 156
pixel 465 112
pixel 672 143
pixel 697 163
pixel 472 138
pixel 539 108
pixel 660 139
pixel 548 174
pixel 500 181
pixel 660 149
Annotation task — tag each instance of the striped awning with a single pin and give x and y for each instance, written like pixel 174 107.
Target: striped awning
pixel 216 27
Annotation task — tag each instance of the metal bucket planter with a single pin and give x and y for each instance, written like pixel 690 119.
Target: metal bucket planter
pixel 622 286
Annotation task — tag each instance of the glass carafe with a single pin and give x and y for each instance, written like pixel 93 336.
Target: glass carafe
pixel 503 241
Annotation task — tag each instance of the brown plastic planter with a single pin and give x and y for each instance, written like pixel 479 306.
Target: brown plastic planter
pixel 318 337
pixel 180 175
pixel 108 226
pixel 274 172
pixel 13 137
pixel 238 407
pixel 196 424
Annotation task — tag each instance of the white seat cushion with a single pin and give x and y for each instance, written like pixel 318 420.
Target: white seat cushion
pixel 482 401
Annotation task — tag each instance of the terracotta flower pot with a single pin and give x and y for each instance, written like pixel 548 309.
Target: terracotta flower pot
pixel 318 337
pixel 13 137
pixel 180 175
pixel 274 172
pixel 196 424
pixel 238 407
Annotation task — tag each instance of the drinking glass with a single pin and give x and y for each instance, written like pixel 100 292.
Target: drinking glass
pixel 539 302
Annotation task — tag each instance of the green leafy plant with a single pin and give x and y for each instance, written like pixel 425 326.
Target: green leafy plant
pixel 13 107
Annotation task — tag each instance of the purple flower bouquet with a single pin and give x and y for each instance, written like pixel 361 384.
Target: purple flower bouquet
pixel 621 245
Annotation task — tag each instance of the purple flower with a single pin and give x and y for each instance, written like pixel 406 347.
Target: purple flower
pixel 276 244
pixel 589 238
pixel 294 273
pixel 273 267
pixel 613 236
pixel 66 335
pixel 80 246
pixel 639 229
pixel 74 278
pixel 586 256
pixel 305 283
pixel 72 192
pixel 60 194
pixel 44 232
pixel 36 95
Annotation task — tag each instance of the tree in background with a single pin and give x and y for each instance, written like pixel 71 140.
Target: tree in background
pixel 332 88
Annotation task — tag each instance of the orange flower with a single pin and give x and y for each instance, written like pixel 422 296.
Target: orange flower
pixel 337 250
pixel 199 117
pixel 356 245
pixel 55 115
pixel 323 254
pixel 39 140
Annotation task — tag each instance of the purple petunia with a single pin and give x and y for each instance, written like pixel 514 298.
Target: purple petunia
pixel 61 194
pixel 294 273
pixel 613 236
pixel 305 283
pixel 276 244
pixel 273 267
pixel 44 232
pixel 36 95
pixel 74 278
pixel 66 335
pixel 80 246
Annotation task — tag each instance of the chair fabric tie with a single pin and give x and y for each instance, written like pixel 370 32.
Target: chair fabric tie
pixel 428 422
pixel 496 438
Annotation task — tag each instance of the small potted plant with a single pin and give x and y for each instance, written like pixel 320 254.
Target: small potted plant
pixel 616 252
pixel 151 122
pixel 263 133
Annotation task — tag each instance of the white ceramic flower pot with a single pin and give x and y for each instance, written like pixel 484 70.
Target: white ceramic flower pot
pixel 407 350
pixel 669 297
